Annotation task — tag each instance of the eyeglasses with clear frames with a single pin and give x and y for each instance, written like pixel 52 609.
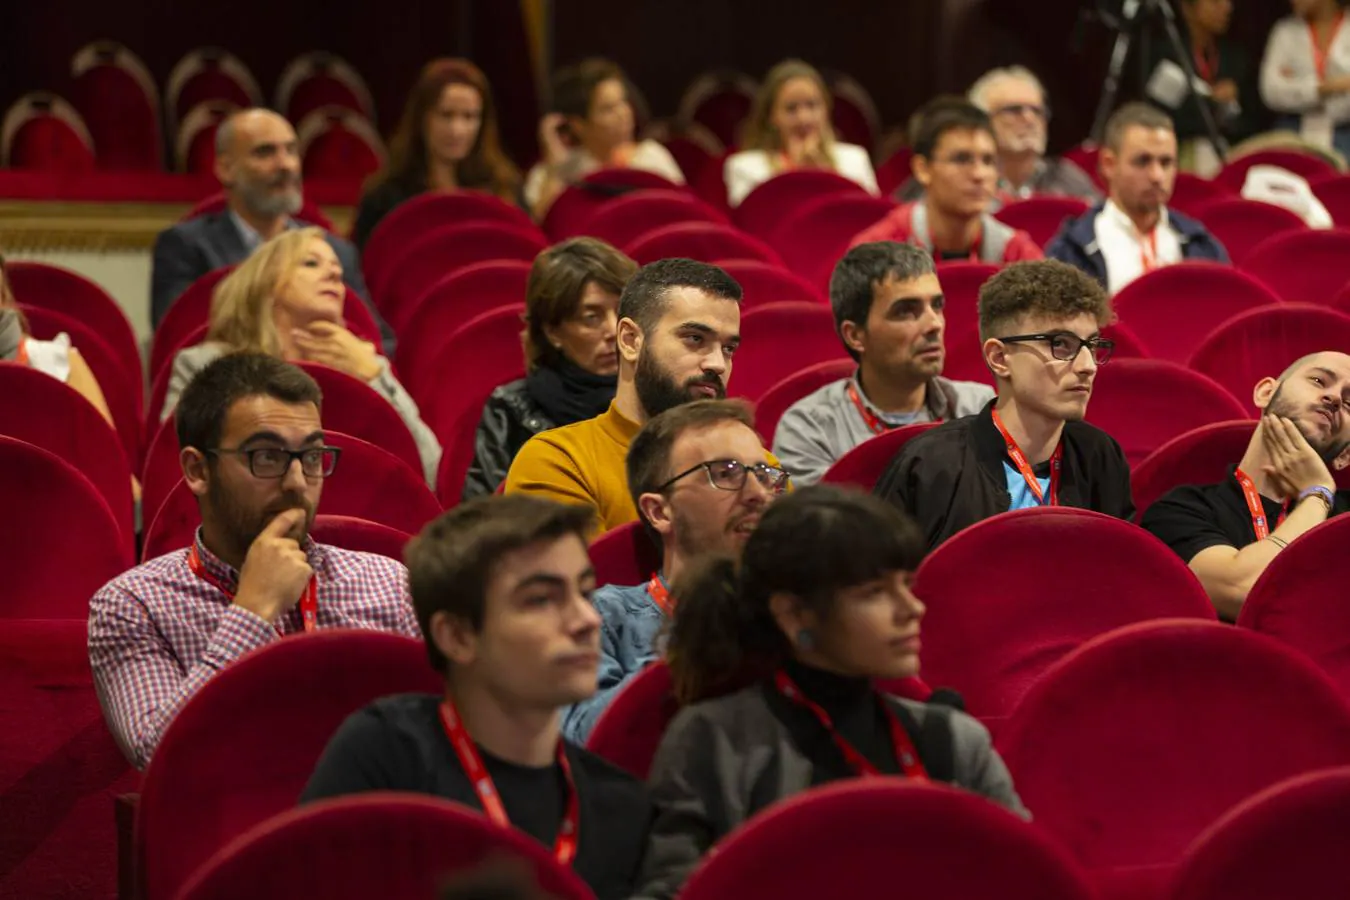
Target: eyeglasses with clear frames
pixel 275 462
pixel 730 475
pixel 1065 345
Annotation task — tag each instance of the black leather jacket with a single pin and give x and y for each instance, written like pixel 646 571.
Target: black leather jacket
pixel 510 418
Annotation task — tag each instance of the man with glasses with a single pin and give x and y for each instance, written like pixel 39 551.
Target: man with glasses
pixel 956 162
pixel 1134 232
pixel 1040 323
pixel 700 479
pixel 253 453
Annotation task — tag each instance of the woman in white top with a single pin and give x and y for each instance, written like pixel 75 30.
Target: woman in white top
pixel 286 300
pixel 1305 74
pixel 591 127
pixel 789 128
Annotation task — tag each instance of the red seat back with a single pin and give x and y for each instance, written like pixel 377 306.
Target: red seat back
pixel 1334 193
pixel 353 407
pixel 866 463
pixel 159 384
pixel 694 150
pixel 632 725
pixel 241 750
pixel 704 241
pixel 720 102
pixel 1087 156
pixel 764 283
pixel 339 144
pixel 1041 216
pixel 455 299
pixel 1241 225
pixel 1172 710
pixel 186 315
pixel 877 832
pixel 571 212
pixel 961 283
pixel 1309 166
pixel 1199 456
pixel 315 80
pixel 778 399
pixel 195 143
pixel 161 471
pixel 625 555
pixel 895 171
pixel 69 544
pixel 992 645
pixel 362 535
pixel 1302 266
pixel 206 75
pixel 44 133
pixel 765 207
pixel 1190 191
pixel 624 219
pixel 778 340
pixel 119 102
pixel 813 236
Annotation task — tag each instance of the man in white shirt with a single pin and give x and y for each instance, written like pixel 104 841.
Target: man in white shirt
pixel 1134 232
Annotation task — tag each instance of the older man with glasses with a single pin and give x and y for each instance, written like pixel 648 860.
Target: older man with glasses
pixel 253 453
pixel 700 479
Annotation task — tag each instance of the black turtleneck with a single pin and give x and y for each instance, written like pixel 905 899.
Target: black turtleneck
pixel 852 704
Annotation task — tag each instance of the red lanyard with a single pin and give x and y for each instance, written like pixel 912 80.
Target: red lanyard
pixel 21 355
pixel 1255 507
pixel 905 753
pixel 660 596
pixel 309 600
pixel 1148 250
pixel 565 845
pixel 1319 54
pixel 1019 459
pixel 870 418
pixel 1207 63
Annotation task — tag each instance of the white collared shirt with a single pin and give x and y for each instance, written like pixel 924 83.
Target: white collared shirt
pixel 1128 254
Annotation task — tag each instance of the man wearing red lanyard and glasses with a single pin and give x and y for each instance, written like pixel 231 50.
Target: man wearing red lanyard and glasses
pixel 1282 487
pixel 254 454
pixel 502 587
pixel 1040 323
pixel 700 479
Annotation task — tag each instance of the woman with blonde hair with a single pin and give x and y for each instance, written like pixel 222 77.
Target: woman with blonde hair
pixel 789 128
pixel 286 300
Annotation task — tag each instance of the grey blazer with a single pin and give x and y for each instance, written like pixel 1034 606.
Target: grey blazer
pixel 191 360
pixel 723 760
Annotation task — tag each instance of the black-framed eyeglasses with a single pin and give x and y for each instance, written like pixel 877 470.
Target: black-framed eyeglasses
pixel 730 475
pixel 1018 109
pixel 275 462
pixel 1065 345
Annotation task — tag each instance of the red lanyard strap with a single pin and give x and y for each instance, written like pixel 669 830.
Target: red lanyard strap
pixel 1148 250
pixel 1318 53
pixel 1256 508
pixel 1207 63
pixel 660 596
pixel 1020 460
pixel 569 832
pixel 873 422
pixel 905 753
pixel 21 355
pixel 309 600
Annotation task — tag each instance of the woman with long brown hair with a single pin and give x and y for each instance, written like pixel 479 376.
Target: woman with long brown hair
pixel 447 140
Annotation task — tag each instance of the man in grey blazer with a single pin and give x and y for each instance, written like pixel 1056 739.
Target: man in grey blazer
pixel 258 162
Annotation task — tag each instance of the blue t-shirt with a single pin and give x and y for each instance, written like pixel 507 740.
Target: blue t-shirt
pixel 1022 497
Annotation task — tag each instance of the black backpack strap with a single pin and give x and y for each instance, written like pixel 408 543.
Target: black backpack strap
pixel 933 740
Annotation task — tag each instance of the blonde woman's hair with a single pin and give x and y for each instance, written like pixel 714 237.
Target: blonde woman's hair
pixel 241 307
pixel 759 131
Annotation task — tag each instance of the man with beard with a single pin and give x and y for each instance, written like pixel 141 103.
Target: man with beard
pixel 679 326
pixel 1229 532
pixel 700 478
pixel 254 454
pixel 888 311
pixel 258 163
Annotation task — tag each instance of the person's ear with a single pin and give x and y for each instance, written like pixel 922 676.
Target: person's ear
pixel 996 358
pixel 1264 392
pixel 196 470
pixel 454 638
pixel 224 169
pixel 922 171
pixel 792 616
pixel 1342 459
pixel 551 334
pixel 854 336
pixel 655 508
pixel 629 339
pixel 1107 162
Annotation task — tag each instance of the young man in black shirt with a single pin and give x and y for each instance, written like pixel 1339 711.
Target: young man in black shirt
pixel 1229 532
pixel 1040 323
pixel 502 589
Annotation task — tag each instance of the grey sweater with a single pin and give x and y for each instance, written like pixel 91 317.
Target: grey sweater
pixel 723 760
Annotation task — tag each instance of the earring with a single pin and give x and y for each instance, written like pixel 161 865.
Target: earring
pixel 806 639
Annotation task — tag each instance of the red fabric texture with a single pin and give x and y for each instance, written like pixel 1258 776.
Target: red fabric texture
pixel 992 642
pixel 1190 191
pixel 894 171
pixel 362 535
pixel 210 84
pixel 624 219
pixel 1144 403
pixel 711 184
pixel 47 144
pixel 632 725
pixel 340 152
pixel 370 483
pixel 59 767
pixel 886 838
pixel 1302 266
pixel 691 156
pixel 161 471
pixel 352 407
pixel 1309 166
pixel 396 232
pixel 1174 308
pixel 1241 225
pixel 1132 745
pixel 66 543
pixel 866 463
pixel 457 298
pixel 961 283
pixel 776 400
pixel 779 340
pixel 765 207
pixel 185 316
pixel 723 112
pixel 764 283
pixel 1041 217
pixel 121 117
pixel 242 749
pixel 704 241
pixel 1300 601
pixel 1284 842
pixel 1087 157
pixel 393 846
pixel 571 212
pixel 159 386
pixel 625 556
pixel 813 236
pixel 1263 342
pixel 1199 456
pixel 322 89
pixel 1334 192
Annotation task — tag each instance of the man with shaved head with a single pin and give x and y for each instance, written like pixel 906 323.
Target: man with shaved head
pixel 1283 486
pixel 258 163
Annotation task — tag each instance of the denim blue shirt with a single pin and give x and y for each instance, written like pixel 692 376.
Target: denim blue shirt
pixel 629 622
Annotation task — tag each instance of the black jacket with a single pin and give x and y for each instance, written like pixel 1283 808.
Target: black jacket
pixel 952 476
pixel 1076 243
pixel 510 418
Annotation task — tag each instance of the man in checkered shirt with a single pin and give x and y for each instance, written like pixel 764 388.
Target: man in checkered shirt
pixel 254 454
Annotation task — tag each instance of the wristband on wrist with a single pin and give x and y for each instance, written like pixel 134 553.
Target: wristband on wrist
pixel 1278 542
pixel 1322 493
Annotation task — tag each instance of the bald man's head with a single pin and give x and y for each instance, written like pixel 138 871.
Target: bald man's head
pixel 1314 393
pixel 258 162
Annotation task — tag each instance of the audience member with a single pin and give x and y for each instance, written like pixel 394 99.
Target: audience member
pixel 1029 447
pixel 254 455
pixel 1224 531
pixel 258 162
pixel 591 127
pixel 956 162
pixel 1016 104
pixel 700 479
pixel 819 606
pixel 447 140
pixel 502 588
pixel 1305 73
pixel 571 355
pixel 889 312
pixel 286 300
pixel 789 128
pixel 679 326
pixel 1133 231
